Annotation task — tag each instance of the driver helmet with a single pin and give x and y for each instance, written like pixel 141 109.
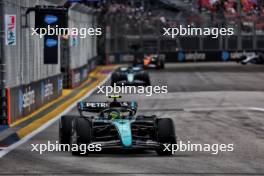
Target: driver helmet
pixel 114 115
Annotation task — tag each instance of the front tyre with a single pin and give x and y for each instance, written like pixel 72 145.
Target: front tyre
pixel 80 134
pixel 65 129
pixel 162 64
pixel 165 135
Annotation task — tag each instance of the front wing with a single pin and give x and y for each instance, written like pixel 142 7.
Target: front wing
pixel 126 134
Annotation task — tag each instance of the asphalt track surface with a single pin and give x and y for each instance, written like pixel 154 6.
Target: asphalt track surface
pixel 209 103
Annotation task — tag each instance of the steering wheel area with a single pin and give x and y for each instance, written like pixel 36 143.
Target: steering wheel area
pixel 116 113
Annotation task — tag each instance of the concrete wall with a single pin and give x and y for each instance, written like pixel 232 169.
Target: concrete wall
pixel 85 48
pixel 24 61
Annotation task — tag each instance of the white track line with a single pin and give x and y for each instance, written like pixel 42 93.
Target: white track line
pixel 224 109
pixel 257 109
pixel 49 123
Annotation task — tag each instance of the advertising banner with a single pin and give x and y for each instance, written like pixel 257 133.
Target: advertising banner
pixel 26 99
pixel 51 49
pixel 55 18
pixel 10 30
pixel 78 75
pixel 51 20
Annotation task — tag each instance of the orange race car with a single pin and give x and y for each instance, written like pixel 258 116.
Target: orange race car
pixel 154 61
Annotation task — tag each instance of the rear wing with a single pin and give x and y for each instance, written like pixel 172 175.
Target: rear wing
pixel 100 106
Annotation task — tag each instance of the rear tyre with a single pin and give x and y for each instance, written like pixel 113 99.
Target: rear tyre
pixel 114 78
pixel 165 135
pixel 80 134
pixel 162 64
pixel 65 129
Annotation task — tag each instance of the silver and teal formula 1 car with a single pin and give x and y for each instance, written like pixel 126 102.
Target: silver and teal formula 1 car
pixel 130 76
pixel 117 127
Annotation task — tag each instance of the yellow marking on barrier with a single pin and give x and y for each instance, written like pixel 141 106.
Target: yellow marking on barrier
pixel 64 93
pixel 37 123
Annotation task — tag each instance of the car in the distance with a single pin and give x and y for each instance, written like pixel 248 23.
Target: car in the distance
pixel 130 76
pixel 156 61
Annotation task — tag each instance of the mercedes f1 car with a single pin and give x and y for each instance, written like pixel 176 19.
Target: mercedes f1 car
pixel 130 76
pixel 154 61
pixel 117 127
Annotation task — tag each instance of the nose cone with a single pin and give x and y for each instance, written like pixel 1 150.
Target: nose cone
pixel 124 130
